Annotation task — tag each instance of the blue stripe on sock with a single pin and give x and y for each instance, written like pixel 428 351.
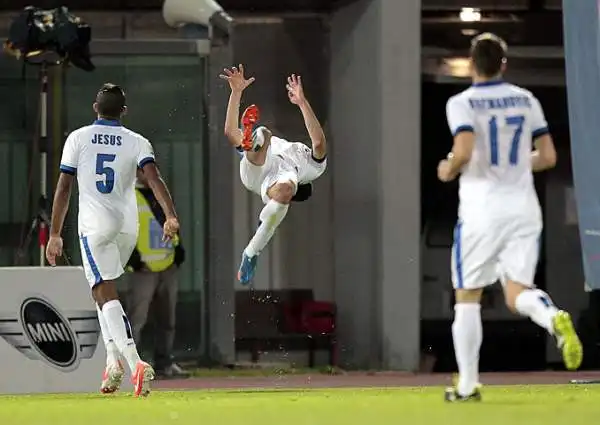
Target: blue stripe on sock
pixel 128 327
pixel 458 255
pixel 545 301
pixel 90 259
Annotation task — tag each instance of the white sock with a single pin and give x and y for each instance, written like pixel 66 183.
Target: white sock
pixel 537 305
pixel 271 217
pixel 112 352
pixel 467 334
pixel 120 330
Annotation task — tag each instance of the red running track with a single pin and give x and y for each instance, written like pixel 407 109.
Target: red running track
pixel 367 380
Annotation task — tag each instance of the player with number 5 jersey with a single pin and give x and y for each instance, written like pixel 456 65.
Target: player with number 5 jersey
pixel 104 157
pixel 500 138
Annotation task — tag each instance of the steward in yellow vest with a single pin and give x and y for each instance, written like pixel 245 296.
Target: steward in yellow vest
pixel 151 253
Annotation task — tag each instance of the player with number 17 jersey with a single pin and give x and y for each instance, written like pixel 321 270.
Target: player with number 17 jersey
pixel 497 183
pixel 500 139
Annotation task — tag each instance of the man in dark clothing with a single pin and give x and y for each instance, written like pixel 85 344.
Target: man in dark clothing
pixel 154 264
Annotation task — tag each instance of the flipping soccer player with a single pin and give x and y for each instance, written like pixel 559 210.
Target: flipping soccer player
pixel 277 170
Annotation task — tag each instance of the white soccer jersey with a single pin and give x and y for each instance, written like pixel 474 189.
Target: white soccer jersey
pixel 505 119
pixel 285 162
pixel 105 157
pixel 299 156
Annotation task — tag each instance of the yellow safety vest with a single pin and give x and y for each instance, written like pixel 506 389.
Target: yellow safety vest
pixel 156 254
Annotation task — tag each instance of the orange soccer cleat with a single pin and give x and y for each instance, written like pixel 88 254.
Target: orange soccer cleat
pixel 249 119
pixel 112 378
pixel 142 375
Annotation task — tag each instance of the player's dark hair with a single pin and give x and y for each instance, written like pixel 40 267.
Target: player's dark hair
pixel 111 101
pixel 488 53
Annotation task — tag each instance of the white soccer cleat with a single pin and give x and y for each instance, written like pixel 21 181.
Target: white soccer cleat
pixel 258 138
pixel 142 377
pixel 112 378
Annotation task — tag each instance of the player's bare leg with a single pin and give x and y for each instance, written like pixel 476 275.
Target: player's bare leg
pixel 105 295
pixel 538 306
pixel 467 334
pixel 280 195
pixel 259 157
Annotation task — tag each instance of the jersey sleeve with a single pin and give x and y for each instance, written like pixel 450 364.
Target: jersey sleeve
pixel 70 156
pixel 146 154
pixel 539 125
pixel 239 151
pixel 459 115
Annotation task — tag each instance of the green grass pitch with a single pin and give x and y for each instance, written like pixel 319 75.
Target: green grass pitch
pixel 514 405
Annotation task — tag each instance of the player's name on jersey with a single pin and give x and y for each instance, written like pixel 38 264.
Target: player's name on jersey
pixel 500 102
pixel 107 139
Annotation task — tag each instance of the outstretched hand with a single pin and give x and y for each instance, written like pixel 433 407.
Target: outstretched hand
pixel 235 78
pixel 295 90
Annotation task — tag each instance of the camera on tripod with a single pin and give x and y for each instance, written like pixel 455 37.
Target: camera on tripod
pixel 50 37
pixel 46 38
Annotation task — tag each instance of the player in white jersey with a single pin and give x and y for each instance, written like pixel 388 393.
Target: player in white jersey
pixel 104 157
pixel 500 138
pixel 277 170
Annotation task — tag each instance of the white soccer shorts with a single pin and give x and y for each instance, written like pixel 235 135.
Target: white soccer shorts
pixel 482 253
pixel 259 179
pixel 105 258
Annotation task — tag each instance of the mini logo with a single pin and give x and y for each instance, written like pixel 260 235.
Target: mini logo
pixel 41 332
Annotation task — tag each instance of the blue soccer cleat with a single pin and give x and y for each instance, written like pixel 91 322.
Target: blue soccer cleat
pixel 247 269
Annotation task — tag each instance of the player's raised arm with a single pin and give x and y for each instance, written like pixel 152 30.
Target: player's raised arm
pixel 462 127
pixel 237 83
pixel 544 155
pixel 313 126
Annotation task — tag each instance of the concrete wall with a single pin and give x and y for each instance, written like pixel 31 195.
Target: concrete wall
pixel 357 241
pixel 375 123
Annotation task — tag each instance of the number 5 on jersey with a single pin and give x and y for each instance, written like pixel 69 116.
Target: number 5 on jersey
pixel 516 122
pixel 108 183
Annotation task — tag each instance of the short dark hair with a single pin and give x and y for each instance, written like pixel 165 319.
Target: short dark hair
pixel 488 53
pixel 111 101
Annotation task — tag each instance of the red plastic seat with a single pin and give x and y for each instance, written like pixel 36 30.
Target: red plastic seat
pixel 318 317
